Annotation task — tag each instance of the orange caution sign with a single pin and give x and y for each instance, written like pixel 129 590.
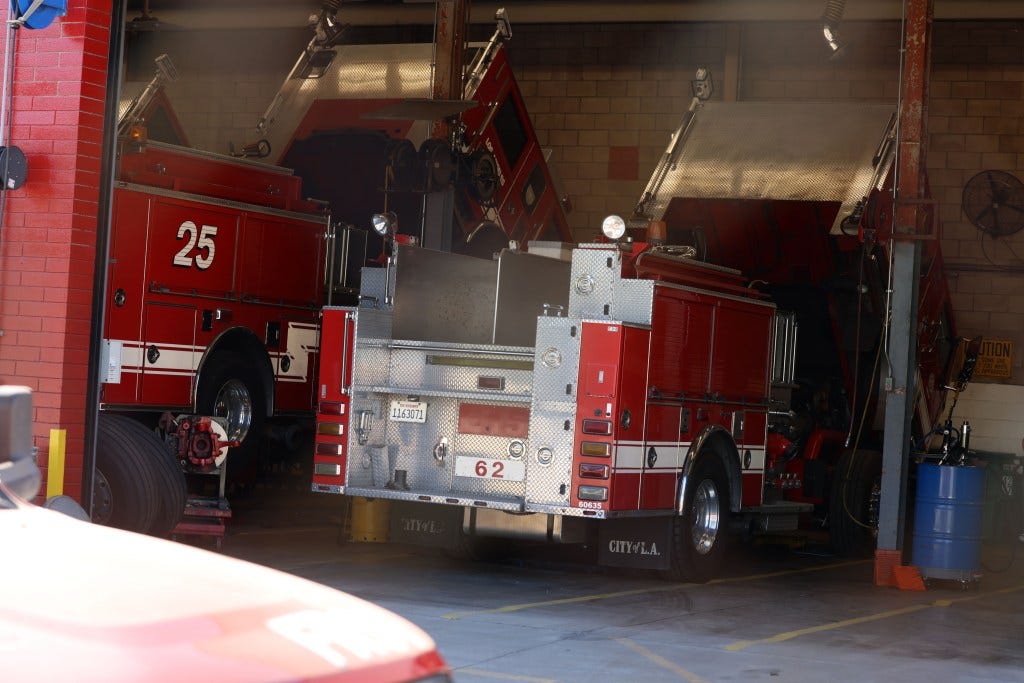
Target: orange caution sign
pixel 995 358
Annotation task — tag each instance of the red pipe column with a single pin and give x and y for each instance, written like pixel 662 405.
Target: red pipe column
pixel 911 223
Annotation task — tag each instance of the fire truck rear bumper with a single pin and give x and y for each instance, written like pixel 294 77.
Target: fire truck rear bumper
pixel 505 504
pixel 491 502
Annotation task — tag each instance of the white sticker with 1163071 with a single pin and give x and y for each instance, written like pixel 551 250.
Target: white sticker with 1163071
pixel 408 411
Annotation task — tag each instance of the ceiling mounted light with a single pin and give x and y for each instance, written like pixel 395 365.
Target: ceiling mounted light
pixel 830 18
pixel 837 44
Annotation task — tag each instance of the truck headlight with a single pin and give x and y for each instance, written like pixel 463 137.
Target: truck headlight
pixel 613 227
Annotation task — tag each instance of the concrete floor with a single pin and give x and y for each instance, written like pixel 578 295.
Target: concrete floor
pixel 778 614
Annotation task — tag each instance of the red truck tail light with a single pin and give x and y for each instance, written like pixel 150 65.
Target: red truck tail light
pixel 327 469
pixel 600 427
pixel 330 428
pixel 599 493
pixel 590 470
pixel 329 449
pixel 331 408
pixel 595 449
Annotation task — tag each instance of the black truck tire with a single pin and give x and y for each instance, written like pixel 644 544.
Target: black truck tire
pixel 126 488
pixel 852 514
pixel 700 537
pixel 171 492
pixel 170 479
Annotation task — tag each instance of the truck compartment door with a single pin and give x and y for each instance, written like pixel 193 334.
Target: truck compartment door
pixel 169 357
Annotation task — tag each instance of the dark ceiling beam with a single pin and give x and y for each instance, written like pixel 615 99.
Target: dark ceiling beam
pixel 231 15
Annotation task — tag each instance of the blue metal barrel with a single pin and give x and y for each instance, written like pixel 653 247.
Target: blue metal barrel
pixel 948 521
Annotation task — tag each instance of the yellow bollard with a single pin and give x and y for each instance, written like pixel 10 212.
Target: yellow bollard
pixel 55 463
pixel 370 520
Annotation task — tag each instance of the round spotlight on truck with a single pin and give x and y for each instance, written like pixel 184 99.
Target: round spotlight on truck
pixel 613 227
pixel 384 223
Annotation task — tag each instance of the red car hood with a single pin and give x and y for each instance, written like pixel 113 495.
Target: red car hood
pixel 80 602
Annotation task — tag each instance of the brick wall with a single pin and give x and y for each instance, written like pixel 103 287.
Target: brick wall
pixel 595 91
pixel 48 238
pixel 976 124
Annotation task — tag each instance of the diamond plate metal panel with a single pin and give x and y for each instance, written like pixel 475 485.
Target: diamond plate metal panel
pixel 367 462
pixel 372 323
pixel 385 370
pixel 411 447
pixel 129 91
pixel 447 369
pixel 553 411
pixel 366 366
pixel 777 150
pixel 372 291
pixel 592 282
pixel 598 292
pixel 370 361
pixel 633 302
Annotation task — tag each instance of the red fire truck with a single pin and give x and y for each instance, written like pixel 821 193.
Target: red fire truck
pixel 219 265
pixel 646 398
pixel 216 279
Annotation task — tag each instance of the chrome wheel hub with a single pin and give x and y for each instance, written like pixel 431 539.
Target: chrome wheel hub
pixel 706 516
pixel 234 404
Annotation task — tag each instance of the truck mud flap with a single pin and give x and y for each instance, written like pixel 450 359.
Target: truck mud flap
pixel 436 526
pixel 636 543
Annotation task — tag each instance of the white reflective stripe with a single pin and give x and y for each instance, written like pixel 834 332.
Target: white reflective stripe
pixel 163 345
pixel 184 359
pixel 303 340
pixel 174 358
pixel 628 457
pixel 756 458
pixel 131 357
pixel 631 456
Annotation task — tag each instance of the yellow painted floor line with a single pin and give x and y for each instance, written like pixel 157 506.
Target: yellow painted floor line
pixel 788 572
pixel 560 601
pixel 640 591
pixel 504 677
pixel 789 635
pixel 662 662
